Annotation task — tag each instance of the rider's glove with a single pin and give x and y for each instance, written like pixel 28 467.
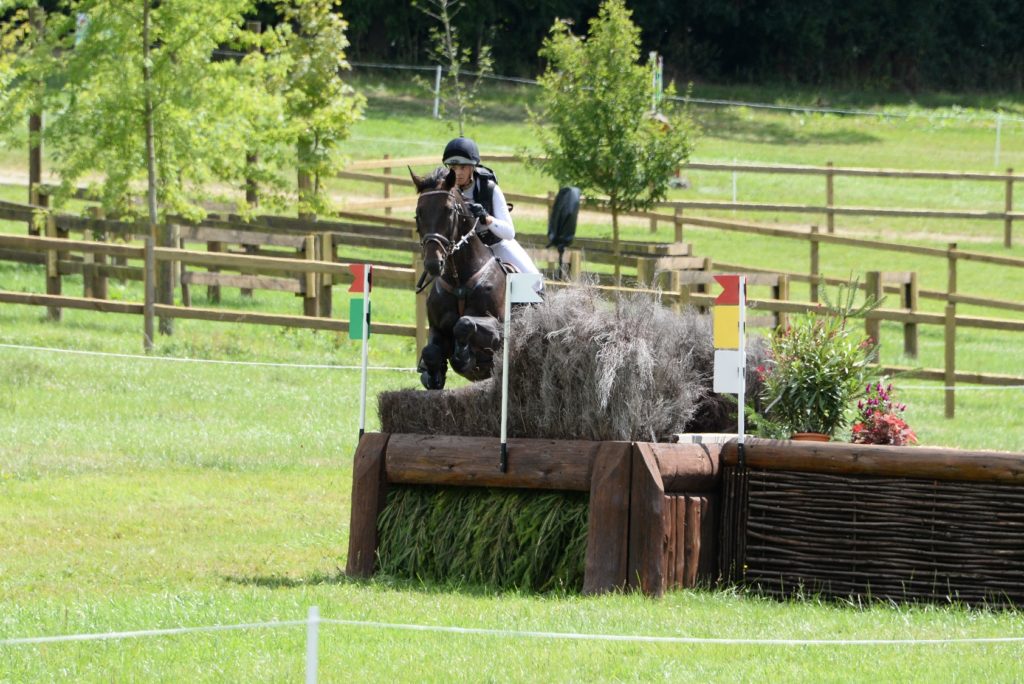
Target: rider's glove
pixel 478 211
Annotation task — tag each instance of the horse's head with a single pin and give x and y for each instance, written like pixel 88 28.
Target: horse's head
pixel 441 217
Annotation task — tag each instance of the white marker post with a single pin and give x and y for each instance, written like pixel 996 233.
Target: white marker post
pixel 520 288
pixel 729 322
pixel 359 312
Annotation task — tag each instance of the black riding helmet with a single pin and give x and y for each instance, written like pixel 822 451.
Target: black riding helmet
pixel 461 151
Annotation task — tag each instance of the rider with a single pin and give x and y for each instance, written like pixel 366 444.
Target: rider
pixel 487 203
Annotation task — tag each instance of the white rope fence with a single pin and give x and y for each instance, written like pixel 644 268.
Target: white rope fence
pixel 183 359
pixel 313 622
pixel 396 369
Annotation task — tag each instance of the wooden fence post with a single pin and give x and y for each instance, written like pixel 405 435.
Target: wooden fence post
pixel 607 556
pixel 149 277
pixel 575 264
pixel 830 198
pixel 781 292
pixel 326 297
pixel 815 263
pixel 99 279
pixel 309 300
pixel 873 290
pixel 1008 223
pixel 167 236
pixel 421 304
pixel 53 283
pixel 678 224
pixel 910 302
pixel 950 360
pixel 950 271
pixel 213 291
pixel 387 186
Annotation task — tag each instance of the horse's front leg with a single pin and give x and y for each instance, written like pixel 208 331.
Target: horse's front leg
pixel 476 338
pixel 433 364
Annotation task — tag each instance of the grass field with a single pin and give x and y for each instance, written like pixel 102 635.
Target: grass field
pixel 141 494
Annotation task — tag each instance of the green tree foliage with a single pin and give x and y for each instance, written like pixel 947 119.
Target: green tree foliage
pixel 306 55
pixel 139 95
pixel 596 125
pixel 456 94
pixel 894 44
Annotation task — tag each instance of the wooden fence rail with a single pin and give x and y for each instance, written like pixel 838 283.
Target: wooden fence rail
pixel 829 210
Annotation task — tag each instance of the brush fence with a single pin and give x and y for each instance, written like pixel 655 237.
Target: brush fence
pixel 845 520
pixel 652 520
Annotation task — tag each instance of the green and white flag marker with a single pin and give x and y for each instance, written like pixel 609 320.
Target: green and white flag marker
pixel 359 325
pixel 520 288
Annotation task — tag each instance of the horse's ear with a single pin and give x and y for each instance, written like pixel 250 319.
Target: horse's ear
pixel 449 180
pixel 416 180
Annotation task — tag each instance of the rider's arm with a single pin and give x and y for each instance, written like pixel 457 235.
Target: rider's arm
pixel 501 222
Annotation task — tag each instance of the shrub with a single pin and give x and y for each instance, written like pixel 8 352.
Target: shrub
pixel 880 418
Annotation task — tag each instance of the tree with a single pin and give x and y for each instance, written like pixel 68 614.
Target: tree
pixel 595 123
pixel 306 55
pixel 140 96
pixel 446 51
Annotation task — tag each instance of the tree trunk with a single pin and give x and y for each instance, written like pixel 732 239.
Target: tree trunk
pixel 165 281
pixel 616 248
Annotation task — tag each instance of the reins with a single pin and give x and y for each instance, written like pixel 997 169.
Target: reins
pixel 447 248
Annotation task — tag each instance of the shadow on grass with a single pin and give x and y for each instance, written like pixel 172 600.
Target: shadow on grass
pixel 387 582
pixel 729 125
pixel 286 582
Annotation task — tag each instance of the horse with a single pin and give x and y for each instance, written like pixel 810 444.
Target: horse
pixel 466 303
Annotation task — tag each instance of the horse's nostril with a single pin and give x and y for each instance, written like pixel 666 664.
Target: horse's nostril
pixel 433 267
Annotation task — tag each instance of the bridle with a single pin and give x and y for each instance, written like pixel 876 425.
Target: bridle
pixel 445 245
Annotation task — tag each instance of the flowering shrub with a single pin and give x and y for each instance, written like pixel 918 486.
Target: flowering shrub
pixel 879 418
pixel 817 366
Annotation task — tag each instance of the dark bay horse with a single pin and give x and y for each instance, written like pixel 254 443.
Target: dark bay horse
pixel 466 303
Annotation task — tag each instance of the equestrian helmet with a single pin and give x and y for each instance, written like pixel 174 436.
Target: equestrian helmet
pixel 461 151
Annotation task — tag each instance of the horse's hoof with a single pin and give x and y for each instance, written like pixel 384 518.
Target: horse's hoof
pixel 432 381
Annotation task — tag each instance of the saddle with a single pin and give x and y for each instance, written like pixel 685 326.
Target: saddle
pixel 507 267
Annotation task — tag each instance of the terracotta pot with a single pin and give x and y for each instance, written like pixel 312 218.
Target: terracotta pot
pixel 810 437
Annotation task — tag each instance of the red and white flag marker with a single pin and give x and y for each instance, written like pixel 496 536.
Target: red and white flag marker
pixel 359 325
pixel 520 288
pixel 728 322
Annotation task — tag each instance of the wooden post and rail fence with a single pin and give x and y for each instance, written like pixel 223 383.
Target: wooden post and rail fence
pixel 55 252
pixel 829 210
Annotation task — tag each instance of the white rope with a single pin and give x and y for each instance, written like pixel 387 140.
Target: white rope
pixel 181 359
pixel 961 388
pixel 635 638
pixel 146 632
pixel 515 634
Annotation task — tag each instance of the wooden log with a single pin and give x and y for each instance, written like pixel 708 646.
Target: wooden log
pixel 668 561
pixel 647 539
pixel 927 463
pixel 692 540
pixel 685 467
pixel 369 492
pixel 607 562
pixel 679 539
pixel 473 462
pixel 707 564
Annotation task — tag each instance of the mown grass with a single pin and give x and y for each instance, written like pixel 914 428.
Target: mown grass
pixel 142 494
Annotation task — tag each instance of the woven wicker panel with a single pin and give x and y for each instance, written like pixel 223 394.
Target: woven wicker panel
pixel 855 536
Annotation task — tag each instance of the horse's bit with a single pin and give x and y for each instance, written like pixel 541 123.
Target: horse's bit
pixel 448 249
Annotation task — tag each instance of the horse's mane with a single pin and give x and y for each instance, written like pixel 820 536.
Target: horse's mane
pixel 436 177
